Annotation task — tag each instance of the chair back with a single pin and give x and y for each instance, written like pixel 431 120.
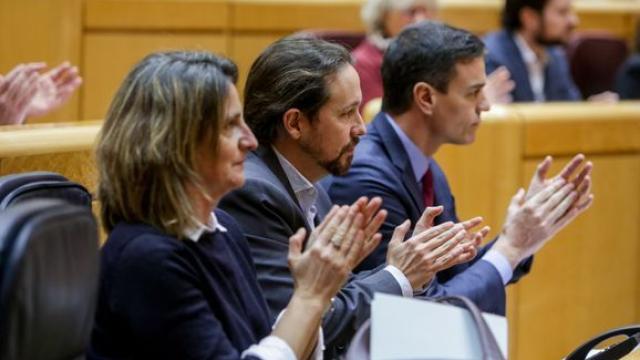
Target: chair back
pixel 594 59
pixel 48 280
pixel 349 39
pixel 17 188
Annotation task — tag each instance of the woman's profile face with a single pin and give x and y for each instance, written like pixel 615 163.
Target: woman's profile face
pixel 223 171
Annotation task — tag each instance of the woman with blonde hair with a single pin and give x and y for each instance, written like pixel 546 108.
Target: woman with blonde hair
pixel 177 280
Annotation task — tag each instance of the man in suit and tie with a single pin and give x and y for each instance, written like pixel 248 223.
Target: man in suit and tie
pixel 433 76
pixel 301 101
pixel 530 46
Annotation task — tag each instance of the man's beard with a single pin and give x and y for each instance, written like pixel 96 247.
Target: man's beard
pixel 333 166
pixel 543 40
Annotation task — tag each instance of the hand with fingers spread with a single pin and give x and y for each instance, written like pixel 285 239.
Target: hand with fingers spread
pixel 373 218
pixel 55 87
pixel 581 182
pixel 17 90
pixel 532 222
pixel 432 248
pixel 321 270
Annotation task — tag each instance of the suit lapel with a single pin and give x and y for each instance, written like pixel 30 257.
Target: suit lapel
pixel 270 159
pixel 520 73
pixel 380 127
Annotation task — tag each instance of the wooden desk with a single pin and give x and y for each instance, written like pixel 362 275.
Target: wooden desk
pixel 63 148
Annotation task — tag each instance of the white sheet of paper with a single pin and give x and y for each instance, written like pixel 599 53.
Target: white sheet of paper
pixel 403 329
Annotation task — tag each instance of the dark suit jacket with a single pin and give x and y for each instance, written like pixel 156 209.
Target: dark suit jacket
pixel 381 167
pixel 558 84
pixel 161 298
pixel 268 212
pixel 628 79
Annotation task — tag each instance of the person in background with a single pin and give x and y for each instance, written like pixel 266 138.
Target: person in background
pixel 27 92
pixel 384 19
pixel 628 77
pixel 530 47
pixel 177 280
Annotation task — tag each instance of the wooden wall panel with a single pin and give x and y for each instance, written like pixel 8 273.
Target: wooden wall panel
pixel 291 16
pixel 78 166
pixel 110 56
pixel 585 127
pixel 245 48
pixel 585 280
pixel 156 15
pixel 36 30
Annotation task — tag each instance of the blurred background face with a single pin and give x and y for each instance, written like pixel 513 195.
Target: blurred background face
pixel 557 23
pixel 396 19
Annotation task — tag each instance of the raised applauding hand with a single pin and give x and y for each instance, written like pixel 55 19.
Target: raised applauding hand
pixel 25 92
pixel 536 215
pixel 433 248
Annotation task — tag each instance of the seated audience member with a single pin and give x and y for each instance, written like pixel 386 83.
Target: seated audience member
pixel 530 47
pixel 433 76
pixel 301 101
pixel 25 92
pixel 628 78
pixel 177 280
pixel 384 19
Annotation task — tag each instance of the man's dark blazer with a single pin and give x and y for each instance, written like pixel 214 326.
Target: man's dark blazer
pixel 558 83
pixel 381 167
pixel 628 79
pixel 268 213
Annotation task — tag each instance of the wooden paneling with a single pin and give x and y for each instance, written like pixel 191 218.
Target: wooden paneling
pixel 586 279
pixel 36 30
pixel 44 139
pixel 585 127
pixel 291 16
pixel 244 49
pixel 62 30
pixel 158 15
pixel 484 17
pixel 110 56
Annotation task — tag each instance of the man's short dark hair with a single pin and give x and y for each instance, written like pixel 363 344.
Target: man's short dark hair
pixel 424 52
pixel 291 73
pixel 511 12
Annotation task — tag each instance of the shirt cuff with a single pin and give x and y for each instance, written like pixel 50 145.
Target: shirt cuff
pixel 271 347
pixel 501 264
pixel 405 285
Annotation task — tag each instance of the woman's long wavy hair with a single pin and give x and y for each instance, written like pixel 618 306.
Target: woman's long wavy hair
pixel 146 150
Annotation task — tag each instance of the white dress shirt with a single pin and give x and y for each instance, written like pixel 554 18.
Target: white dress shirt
pixel 535 67
pixel 307 194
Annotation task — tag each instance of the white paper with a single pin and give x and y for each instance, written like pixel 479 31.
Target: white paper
pixel 403 329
